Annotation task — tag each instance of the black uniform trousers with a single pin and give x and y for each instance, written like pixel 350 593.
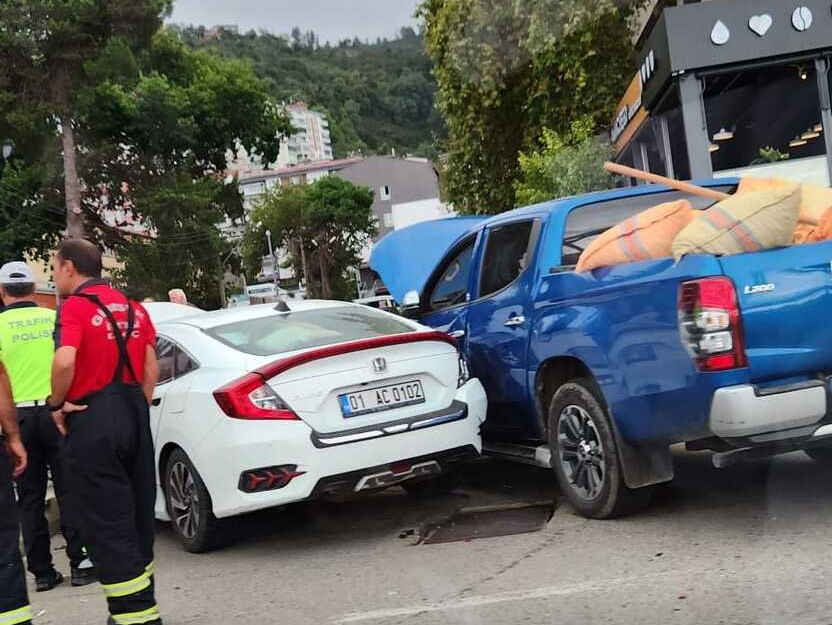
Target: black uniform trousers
pixel 44 445
pixel 14 602
pixel 111 465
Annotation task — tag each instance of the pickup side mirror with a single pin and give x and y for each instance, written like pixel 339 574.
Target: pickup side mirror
pixel 411 305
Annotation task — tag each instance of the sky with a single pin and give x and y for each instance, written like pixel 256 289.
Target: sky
pixel 332 20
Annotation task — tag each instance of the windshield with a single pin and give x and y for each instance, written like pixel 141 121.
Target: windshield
pixel 281 333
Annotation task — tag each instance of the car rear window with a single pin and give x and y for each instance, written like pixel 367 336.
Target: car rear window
pixel 288 332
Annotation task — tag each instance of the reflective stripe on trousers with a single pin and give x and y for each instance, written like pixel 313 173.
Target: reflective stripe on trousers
pixel 14 617
pixel 130 587
pixel 138 618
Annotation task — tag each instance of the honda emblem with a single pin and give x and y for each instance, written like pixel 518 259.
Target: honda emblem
pixel 379 365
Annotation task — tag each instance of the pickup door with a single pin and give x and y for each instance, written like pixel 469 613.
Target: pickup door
pixel 499 322
pixel 481 295
pixel 785 297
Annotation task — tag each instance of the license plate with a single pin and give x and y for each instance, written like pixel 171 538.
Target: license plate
pixel 381 398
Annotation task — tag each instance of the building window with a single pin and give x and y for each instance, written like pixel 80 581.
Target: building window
pixel 763 116
pixel 384 193
pixel 388 220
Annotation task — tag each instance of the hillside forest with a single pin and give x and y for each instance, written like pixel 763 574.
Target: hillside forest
pixel 379 96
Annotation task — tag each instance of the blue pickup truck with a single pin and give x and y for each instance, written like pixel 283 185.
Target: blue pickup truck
pixel 597 374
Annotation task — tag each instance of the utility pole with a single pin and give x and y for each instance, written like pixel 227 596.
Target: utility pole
pixel 274 260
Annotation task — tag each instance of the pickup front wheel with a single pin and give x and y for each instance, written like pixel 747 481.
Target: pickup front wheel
pixel 584 454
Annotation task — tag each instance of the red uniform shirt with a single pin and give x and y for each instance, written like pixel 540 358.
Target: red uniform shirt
pixel 83 325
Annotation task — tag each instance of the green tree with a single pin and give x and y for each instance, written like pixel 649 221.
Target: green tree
pixel 31 216
pixel 377 96
pixel 156 150
pixel 46 50
pixel 508 69
pixel 187 250
pixel 323 227
pixel 564 165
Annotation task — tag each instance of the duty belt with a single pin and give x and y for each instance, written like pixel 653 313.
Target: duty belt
pixel 31 404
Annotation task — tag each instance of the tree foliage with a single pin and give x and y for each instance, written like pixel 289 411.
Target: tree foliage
pixel 47 48
pixel 323 227
pixel 378 96
pixel 158 147
pixel 507 69
pixel 153 126
pixel 564 165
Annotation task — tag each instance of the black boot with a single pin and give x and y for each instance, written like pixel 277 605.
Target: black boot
pixel 49 581
pixel 83 577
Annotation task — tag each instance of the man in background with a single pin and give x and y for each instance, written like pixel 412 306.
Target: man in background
pixel 26 349
pixel 177 296
pixel 14 601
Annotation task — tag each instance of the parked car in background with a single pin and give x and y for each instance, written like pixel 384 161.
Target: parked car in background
pixel 596 374
pixel 382 302
pixel 263 406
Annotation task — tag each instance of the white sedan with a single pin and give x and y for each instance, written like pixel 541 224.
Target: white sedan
pixel 268 405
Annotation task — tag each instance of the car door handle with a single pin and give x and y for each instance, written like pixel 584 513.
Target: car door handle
pixel 157 401
pixel 516 320
pixel 457 334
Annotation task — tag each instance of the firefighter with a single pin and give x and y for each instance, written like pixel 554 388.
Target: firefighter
pixel 103 376
pixel 14 602
pixel 26 349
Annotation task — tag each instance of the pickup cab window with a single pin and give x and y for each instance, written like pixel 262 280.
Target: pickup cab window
pixel 506 256
pixel 452 286
pixel 587 223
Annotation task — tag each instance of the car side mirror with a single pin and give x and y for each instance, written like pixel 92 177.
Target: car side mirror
pixel 411 305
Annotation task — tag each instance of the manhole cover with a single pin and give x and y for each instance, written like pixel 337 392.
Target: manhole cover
pixel 488 522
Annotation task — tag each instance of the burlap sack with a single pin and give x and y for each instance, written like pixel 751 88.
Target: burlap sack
pixel 648 235
pixel 746 222
pixel 814 202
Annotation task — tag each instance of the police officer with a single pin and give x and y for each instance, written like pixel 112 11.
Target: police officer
pixel 103 376
pixel 14 602
pixel 26 349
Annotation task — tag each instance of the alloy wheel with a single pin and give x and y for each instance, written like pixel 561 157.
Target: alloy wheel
pixel 581 453
pixel 184 500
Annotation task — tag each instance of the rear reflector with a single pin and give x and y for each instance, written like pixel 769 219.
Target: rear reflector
pixel 270 478
pixel 711 325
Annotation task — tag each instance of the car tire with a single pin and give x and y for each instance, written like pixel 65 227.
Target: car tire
pixel 585 456
pixel 189 506
pixel 440 486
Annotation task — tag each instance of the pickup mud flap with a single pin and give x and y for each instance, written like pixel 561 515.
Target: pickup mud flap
pixel 643 465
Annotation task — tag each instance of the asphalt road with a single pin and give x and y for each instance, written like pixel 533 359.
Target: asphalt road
pixel 745 545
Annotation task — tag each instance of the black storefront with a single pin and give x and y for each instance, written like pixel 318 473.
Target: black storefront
pixel 732 87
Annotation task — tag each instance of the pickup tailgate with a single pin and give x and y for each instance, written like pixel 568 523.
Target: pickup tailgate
pixel 786 303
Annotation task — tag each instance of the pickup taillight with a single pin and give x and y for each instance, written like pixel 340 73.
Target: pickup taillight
pixel 711 325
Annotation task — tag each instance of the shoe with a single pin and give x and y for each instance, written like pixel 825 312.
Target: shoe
pixel 83 577
pixel 48 582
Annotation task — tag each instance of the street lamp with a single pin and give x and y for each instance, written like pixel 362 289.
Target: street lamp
pixel 8 148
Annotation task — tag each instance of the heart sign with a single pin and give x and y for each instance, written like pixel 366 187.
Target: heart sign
pixel 760 24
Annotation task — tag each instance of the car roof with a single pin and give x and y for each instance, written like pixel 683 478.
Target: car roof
pixel 205 320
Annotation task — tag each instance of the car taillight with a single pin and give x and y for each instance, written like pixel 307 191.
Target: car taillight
pixel 249 397
pixel 710 324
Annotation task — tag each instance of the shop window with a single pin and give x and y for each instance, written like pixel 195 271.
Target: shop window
pixel 762 116
pixel 678 143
